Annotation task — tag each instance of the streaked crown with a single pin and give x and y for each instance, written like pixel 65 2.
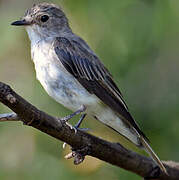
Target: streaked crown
pixel 44 20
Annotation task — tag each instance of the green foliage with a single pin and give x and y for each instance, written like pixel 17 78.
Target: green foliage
pixel 138 41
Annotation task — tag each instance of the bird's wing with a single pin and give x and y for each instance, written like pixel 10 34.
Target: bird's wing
pixel 93 76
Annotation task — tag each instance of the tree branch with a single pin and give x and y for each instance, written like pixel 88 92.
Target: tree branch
pixel 82 143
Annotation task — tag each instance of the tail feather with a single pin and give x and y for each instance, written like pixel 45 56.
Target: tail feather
pixel 152 154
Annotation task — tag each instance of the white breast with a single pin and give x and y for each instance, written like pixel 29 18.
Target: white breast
pixel 58 83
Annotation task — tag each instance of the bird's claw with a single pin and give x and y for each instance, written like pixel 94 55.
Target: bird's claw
pixel 72 127
pixel 77 126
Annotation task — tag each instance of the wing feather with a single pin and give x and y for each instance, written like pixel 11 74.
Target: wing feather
pixel 91 73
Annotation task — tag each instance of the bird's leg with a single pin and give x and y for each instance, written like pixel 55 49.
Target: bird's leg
pixel 77 125
pixel 80 110
pixel 67 118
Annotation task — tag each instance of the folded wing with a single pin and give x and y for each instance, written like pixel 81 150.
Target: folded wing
pixel 91 74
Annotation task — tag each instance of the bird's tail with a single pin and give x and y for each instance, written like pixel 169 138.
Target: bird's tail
pixel 152 154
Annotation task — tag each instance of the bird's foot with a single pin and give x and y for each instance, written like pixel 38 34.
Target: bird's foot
pixel 67 118
pixel 77 126
pixel 71 127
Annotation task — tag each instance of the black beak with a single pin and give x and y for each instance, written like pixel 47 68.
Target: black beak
pixel 21 23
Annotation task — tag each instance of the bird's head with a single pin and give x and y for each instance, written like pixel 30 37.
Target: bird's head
pixel 44 20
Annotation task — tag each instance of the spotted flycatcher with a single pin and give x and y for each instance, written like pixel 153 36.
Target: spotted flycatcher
pixel 73 75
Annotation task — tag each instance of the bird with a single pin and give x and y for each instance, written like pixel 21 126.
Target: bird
pixel 73 75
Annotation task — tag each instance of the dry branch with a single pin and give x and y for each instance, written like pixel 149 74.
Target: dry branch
pixel 82 143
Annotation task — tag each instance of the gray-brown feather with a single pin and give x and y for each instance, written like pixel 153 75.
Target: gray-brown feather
pixel 91 73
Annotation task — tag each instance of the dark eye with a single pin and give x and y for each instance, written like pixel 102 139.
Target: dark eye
pixel 44 18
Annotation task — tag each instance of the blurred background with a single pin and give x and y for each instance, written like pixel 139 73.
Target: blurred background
pixel 138 41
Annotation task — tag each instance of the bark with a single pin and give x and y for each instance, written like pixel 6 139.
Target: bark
pixel 82 143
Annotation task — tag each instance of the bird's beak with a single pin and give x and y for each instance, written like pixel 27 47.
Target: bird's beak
pixel 21 23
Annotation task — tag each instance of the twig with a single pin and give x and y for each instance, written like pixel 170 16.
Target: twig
pixel 81 142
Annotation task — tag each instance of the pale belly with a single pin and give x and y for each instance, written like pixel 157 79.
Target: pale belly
pixel 64 88
pixel 58 83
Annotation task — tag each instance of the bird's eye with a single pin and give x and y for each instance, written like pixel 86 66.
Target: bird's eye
pixel 44 18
